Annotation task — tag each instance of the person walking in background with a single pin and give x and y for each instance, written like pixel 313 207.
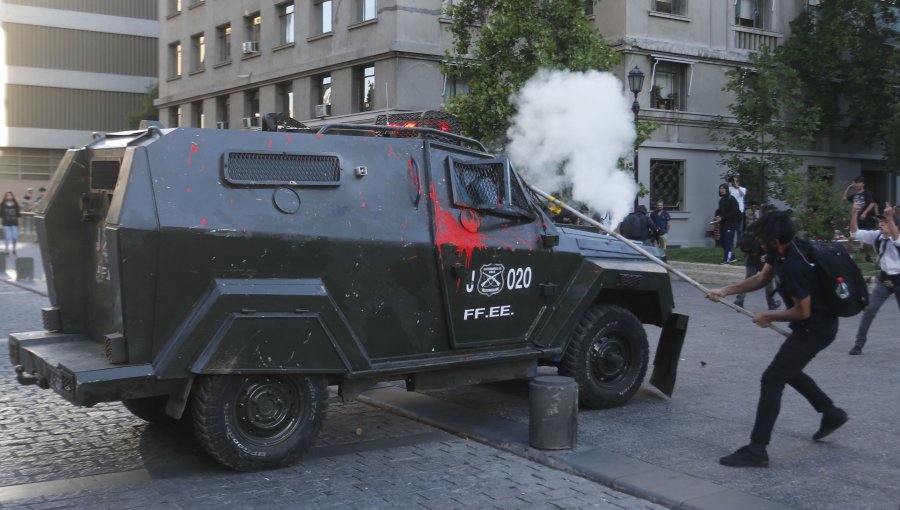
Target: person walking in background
pixel 739 193
pixel 40 196
pixel 754 259
pixel 661 218
pixel 730 217
pixel 10 213
pixel 813 328
pixel 886 242
pixel 857 193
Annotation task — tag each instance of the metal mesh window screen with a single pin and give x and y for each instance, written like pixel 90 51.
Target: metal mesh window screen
pixel 518 196
pixel 479 185
pixel 282 169
pixel 104 174
pixel 666 182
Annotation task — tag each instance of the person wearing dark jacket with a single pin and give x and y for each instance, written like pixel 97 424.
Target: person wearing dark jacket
pixel 637 226
pixel 730 213
pixel 813 328
pixel 10 211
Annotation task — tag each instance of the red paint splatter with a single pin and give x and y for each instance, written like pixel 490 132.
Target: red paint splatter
pixel 470 220
pixel 363 205
pixel 269 143
pixel 230 201
pixel 413 176
pixel 195 148
pixel 449 231
pixel 189 190
pixel 390 151
pixel 320 135
pixel 202 222
pixel 290 138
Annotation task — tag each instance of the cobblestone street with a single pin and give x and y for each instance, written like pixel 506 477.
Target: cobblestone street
pixel 55 455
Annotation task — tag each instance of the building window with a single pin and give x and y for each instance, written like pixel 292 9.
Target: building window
pixel 197 117
pixel 667 183
pixel 251 108
pixel 670 6
pixel 322 15
pixel 588 7
pixel 252 24
pixel 454 86
pixel 365 88
pixel 366 10
pixel 286 22
pixel 198 52
pixel 446 5
pixel 174 7
pixel 669 89
pixel 321 88
pixel 285 98
pixel 223 113
pixel 223 41
pixel 174 59
pixel 753 13
pixel 175 116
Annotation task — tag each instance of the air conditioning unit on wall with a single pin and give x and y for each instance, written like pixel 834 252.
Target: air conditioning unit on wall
pixel 220 125
pixel 323 110
pixel 250 122
pixel 250 47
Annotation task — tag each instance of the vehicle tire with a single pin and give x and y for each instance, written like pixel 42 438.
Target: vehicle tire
pixel 150 409
pixel 257 421
pixel 607 355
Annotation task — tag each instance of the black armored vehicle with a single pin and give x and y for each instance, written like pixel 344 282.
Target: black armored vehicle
pixel 229 277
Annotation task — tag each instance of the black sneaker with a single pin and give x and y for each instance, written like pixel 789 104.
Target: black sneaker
pixel 855 351
pixel 831 421
pixel 745 457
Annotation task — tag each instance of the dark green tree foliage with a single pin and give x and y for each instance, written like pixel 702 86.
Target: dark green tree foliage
pixel 147 111
pixel 756 145
pixel 846 66
pixel 500 44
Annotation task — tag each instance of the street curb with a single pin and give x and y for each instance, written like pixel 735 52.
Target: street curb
pixel 617 471
pixel 25 287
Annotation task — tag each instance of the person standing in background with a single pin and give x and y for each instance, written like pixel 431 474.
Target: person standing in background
pixel 857 193
pixel 661 218
pixel 730 214
pixel 739 193
pixel 10 212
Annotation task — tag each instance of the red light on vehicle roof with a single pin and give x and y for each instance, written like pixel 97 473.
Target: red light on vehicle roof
pixel 404 124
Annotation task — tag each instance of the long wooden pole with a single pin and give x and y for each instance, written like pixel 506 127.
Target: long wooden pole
pixel 654 258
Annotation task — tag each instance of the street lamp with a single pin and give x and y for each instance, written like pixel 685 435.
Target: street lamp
pixel 636 83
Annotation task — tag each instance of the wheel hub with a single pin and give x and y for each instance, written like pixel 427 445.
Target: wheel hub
pixel 609 359
pixel 268 409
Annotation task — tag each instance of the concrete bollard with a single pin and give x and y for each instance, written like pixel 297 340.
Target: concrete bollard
pixel 2 262
pixel 553 413
pixel 24 268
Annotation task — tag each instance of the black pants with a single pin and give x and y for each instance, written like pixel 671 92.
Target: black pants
pixel 787 368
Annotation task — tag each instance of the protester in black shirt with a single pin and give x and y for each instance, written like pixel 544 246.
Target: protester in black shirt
pixel 813 328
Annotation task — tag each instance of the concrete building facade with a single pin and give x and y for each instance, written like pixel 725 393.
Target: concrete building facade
pixel 224 63
pixel 69 68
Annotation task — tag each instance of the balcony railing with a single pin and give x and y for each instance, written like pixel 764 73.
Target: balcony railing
pixel 753 39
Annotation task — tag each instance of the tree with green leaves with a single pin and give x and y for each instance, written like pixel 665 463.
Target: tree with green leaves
pixel 147 110
pixel 769 118
pixel 498 45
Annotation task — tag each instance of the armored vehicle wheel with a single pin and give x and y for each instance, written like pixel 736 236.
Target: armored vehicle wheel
pixel 251 422
pixel 607 355
pixel 150 409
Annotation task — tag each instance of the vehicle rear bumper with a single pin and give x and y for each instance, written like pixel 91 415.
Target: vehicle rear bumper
pixel 76 368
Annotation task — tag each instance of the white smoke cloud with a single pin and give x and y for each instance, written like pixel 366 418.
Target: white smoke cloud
pixel 572 128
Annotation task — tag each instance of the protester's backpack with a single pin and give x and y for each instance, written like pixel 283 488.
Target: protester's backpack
pixel 841 283
pixel 631 227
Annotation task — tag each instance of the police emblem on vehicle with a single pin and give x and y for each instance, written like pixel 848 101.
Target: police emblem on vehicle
pixel 490 279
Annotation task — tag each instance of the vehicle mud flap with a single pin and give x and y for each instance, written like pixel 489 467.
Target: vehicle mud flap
pixel 668 352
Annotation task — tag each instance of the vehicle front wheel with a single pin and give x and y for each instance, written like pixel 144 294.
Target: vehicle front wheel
pixel 252 422
pixel 607 355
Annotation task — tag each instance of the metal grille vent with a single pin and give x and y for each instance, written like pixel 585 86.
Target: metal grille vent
pixel 629 280
pixel 104 174
pixel 480 184
pixel 282 169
